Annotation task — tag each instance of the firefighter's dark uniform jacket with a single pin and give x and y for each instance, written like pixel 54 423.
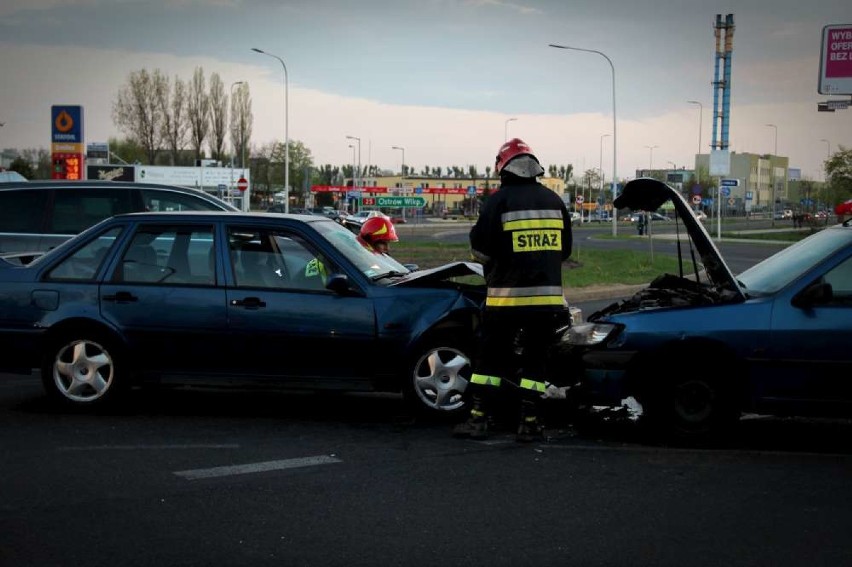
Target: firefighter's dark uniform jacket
pixel 521 238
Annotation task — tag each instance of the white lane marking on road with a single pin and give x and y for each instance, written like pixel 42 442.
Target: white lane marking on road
pixel 138 447
pixel 257 467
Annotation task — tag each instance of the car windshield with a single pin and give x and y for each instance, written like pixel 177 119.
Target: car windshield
pixel 786 266
pixel 372 265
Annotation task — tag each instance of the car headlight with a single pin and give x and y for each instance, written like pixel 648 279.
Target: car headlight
pixel 589 334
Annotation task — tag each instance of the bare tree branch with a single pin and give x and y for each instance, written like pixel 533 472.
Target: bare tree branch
pixel 218 116
pixel 137 110
pixel 198 111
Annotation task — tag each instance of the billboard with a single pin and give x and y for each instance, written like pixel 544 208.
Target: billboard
pixel 835 69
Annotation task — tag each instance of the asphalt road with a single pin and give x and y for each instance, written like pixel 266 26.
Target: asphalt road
pixel 243 478
pixel 193 478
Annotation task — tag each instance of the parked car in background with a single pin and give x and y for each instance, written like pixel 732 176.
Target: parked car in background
pixel 293 210
pixel 354 221
pixel 698 348
pixel 654 216
pixel 239 300
pixel 35 216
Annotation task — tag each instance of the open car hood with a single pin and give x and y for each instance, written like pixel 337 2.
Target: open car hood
pixel 646 194
pixel 441 273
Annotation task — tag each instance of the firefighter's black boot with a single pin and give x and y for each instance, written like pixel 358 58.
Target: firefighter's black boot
pixel 530 428
pixel 476 426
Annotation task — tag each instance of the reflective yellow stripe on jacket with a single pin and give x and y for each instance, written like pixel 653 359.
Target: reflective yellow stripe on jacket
pixel 524 296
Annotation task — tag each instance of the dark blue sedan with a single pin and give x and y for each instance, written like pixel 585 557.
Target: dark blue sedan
pixel 234 299
pixel 694 350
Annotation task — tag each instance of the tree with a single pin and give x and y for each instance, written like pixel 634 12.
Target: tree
pixel 173 105
pixel 22 166
pixel 838 169
pixel 218 117
pixel 127 151
pixel 138 112
pixel 198 111
pixel 241 121
pixel 40 160
pixel 301 161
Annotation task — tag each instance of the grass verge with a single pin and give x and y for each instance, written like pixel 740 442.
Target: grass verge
pixel 584 268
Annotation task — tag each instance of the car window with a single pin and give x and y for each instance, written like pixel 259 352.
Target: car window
pixel 840 279
pixel 369 263
pixel 788 264
pixel 84 264
pixel 277 259
pixel 22 211
pixel 169 255
pixel 76 209
pixel 159 201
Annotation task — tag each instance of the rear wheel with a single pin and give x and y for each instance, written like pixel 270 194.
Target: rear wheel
pixel 80 369
pixel 438 377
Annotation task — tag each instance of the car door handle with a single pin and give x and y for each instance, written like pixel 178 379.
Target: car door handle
pixel 249 303
pixel 121 297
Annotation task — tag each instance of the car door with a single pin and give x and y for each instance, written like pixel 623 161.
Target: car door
pixel 284 323
pixel 811 344
pixel 163 294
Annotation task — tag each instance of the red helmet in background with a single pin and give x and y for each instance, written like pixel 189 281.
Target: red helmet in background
pixel 378 229
pixel 514 148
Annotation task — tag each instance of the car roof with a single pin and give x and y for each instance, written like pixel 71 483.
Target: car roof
pixel 100 183
pixel 172 216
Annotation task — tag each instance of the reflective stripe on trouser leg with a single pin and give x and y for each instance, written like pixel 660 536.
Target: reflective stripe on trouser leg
pixel 532 386
pixel 485 380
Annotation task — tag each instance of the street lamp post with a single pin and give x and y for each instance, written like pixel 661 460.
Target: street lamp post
pixel 700 120
pixel 827 157
pixel 345 196
pixel 402 167
pixel 600 168
pixel 401 174
pixel 357 175
pixel 506 128
pixel 772 170
pixel 286 131
pixel 651 158
pixel 614 137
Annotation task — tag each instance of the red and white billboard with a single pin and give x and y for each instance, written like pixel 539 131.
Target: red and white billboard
pixel 835 71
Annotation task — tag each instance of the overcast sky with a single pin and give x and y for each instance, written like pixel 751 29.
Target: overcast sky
pixel 441 78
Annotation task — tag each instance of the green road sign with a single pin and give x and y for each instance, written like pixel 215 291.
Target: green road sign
pixel 409 202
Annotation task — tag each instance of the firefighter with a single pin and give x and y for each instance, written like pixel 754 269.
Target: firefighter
pixel 522 236
pixel 376 233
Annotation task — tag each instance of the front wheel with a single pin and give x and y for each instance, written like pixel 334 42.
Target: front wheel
pixel 81 370
pixel 692 405
pixel 438 377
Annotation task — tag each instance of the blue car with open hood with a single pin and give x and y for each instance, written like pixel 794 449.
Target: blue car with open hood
pixel 694 350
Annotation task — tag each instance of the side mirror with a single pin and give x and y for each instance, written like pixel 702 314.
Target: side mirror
pixel 817 293
pixel 338 283
pixel 412 267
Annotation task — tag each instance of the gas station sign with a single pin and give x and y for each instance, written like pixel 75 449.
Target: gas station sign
pixel 67 146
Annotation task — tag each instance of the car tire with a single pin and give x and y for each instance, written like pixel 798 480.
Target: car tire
pixel 84 369
pixel 693 406
pixel 437 378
